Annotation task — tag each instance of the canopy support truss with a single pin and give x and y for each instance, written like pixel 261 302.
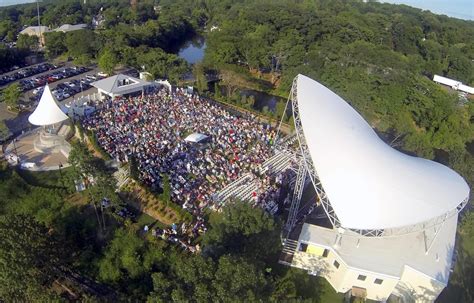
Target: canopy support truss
pixel 307 162
pixel 297 194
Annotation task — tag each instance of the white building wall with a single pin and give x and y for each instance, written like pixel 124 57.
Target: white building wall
pixel 342 279
pixel 417 287
pixel 446 81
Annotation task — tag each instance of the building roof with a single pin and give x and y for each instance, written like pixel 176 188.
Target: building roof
pixel 369 184
pixel 69 28
pixel 390 255
pixel 195 138
pixel 457 85
pixel 121 84
pixel 37 30
pixel 48 111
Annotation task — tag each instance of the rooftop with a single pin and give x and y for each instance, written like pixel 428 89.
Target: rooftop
pixel 69 28
pixel 36 29
pixel 389 255
pixel 120 84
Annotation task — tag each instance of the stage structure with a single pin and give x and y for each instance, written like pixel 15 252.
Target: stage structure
pixel 393 217
pixel 49 115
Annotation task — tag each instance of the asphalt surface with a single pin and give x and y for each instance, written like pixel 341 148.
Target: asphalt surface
pixel 17 123
pixel 63 65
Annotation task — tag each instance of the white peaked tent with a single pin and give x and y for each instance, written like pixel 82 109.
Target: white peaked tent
pixel 369 184
pixel 196 138
pixel 48 111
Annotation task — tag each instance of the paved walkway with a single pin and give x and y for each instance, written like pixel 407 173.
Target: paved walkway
pixel 24 147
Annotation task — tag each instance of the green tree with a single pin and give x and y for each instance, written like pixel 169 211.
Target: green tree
pixel 165 196
pixel 236 280
pixel 134 170
pixel 81 159
pixel 55 44
pixel 128 257
pixel 81 44
pixel 108 61
pixel 4 131
pixel 30 259
pixel 27 42
pixel 11 95
pixel 242 230
pixel 200 76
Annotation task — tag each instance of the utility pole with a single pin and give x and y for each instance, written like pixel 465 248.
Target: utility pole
pixel 39 23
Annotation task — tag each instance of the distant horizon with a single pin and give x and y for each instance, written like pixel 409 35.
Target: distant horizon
pixel 461 9
pixel 14 2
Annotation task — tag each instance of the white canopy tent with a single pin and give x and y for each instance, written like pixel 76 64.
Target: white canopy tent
pixel 48 111
pixel 196 138
pixel 369 184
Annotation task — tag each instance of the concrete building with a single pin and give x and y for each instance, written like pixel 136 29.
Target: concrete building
pixel 122 85
pixel 454 84
pixel 386 221
pixel 37 31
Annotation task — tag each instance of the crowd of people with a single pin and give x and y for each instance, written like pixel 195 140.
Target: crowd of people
pixel 153 128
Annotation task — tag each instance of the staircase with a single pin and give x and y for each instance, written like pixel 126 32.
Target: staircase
pixel 288 251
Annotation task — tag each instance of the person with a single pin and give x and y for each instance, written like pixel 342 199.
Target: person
pixel 152 128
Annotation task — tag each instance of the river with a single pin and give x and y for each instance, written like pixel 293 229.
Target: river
pixel 193 50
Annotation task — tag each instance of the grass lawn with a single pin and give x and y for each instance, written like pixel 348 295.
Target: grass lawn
pixel 144 219
pixel 328 294
pixel 50 179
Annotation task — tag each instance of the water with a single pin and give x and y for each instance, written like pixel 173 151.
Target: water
pixel 13 2
pixel 262 99
pixel 462 9
pixel 193 50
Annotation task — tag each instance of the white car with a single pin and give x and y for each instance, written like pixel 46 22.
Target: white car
pixel 38 90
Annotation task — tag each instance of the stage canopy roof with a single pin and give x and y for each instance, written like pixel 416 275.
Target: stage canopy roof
pixel 48 111
pixel 369 184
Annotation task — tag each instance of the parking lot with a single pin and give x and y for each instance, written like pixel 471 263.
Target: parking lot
pixel 10 77
pixel 17 123
pixel 64 83
pixel 72 82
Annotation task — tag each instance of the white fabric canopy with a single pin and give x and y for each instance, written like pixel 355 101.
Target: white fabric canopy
pixel 195 137
pixel 369 184
pixel 48 111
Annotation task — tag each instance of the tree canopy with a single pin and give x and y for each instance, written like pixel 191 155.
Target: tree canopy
pixel 30 258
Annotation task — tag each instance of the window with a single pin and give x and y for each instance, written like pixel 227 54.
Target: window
pixel 378 281
pixel 361 277
pixel 326 253
pixel 303 247
pixel 336 264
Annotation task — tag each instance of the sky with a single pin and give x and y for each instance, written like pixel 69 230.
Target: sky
pixel 463 9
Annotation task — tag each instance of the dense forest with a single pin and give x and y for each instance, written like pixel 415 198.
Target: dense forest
pixel 379 57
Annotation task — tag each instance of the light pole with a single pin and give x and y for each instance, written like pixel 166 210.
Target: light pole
pixel 39 23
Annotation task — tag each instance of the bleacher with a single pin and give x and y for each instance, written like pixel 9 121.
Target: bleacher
pixel 244 187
